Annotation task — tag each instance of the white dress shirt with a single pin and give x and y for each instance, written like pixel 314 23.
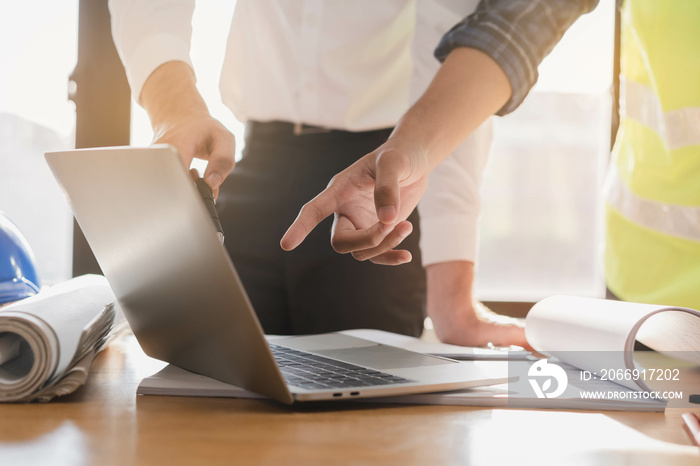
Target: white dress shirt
pixel 354 65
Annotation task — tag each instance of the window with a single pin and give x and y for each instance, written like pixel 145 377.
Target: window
pixel 541 225
pixel 38 51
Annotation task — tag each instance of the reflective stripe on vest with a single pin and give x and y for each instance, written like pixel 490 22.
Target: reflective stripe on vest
pixel 678 128
pixel 673 220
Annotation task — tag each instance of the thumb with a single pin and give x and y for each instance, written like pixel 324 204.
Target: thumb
pixel 221 161
pixel 389 171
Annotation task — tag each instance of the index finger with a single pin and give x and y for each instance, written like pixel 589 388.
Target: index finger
pixel 310 215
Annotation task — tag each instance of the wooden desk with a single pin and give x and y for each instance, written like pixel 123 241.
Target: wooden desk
pixel 105 423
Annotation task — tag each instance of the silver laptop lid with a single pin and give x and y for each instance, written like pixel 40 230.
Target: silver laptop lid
pixel 152 236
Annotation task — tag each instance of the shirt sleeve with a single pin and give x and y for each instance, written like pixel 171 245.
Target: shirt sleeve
pixel 449 209
pixel 517 34
pixel 148 33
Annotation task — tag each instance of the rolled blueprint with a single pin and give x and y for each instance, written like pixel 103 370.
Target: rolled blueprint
pixel 47 342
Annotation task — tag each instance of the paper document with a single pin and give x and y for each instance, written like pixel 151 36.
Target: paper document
pixel 47 342
pixel 595 334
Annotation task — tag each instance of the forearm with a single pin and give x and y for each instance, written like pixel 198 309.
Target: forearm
pixel 153 41
pixel 170 94
pixel 458 318
pixel 468 88
pixel 451 300
pixel 180 118
pixel 517 34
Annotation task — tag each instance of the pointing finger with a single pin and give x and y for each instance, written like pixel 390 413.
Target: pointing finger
pixel 309 217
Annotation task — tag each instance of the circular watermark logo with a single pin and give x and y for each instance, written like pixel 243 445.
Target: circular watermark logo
pixel 544 372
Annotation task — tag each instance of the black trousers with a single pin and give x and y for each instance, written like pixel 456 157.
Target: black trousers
pixel 312 289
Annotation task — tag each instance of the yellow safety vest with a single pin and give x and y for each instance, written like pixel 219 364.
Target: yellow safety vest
pixel 652 252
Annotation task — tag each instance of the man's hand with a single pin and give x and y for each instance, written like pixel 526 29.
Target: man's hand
pixel 458 319
pixel 180 118
pixel 202 137
pixel 371 200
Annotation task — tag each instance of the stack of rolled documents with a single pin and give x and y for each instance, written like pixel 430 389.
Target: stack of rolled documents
pixel 48 341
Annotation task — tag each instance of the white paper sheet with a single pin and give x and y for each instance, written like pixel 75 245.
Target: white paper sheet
pixel 593 333
pixel 56 329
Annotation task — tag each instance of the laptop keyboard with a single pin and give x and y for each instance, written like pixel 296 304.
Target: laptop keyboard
pixel 310 371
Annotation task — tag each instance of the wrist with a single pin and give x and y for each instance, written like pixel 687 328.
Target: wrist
pixel 415 129
pixel 170 95
pixel 450 299
pixel 468 88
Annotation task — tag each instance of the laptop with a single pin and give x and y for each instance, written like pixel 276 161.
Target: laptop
pixel 157 245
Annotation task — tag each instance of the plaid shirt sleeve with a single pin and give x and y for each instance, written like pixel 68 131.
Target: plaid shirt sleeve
pixel 517 34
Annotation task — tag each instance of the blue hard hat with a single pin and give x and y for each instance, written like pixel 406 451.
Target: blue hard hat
pixel 18 279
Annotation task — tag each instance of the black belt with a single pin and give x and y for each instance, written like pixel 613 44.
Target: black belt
pixel 297 129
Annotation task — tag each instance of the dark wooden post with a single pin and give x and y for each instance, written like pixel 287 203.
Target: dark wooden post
pixel 102 102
